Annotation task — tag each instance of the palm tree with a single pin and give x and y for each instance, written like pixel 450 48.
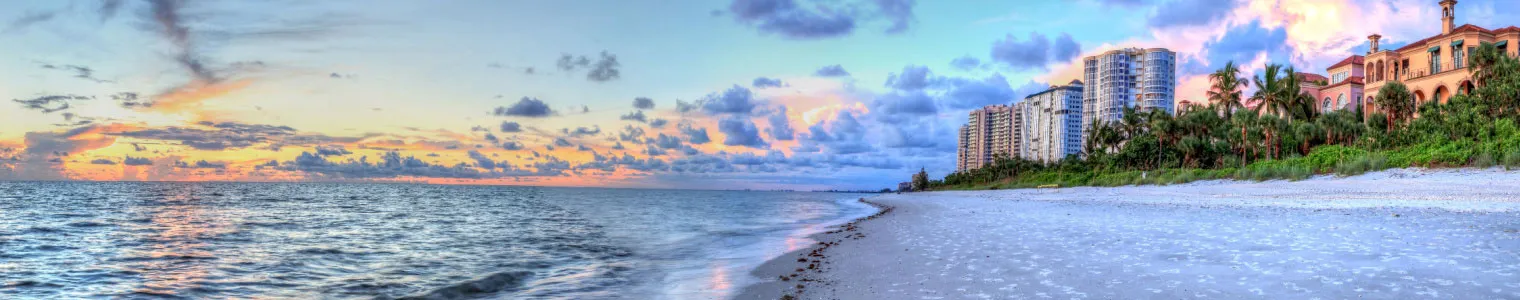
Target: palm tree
pixel 1269 92
pixel 1396 101
pixel 1225 93
pixel 1481 62
pixel 1301 103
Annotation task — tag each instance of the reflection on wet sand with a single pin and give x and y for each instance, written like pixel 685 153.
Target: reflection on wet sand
pixel 719 285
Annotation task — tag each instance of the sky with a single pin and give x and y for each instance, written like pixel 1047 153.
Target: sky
pixel 732 94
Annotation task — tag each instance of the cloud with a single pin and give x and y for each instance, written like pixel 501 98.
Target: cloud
pixel 965 93
pixel 643 103
pixel 735 100
pixel 667 142
pixel 781 127
pixel 651 150
pixel 911 78
pixel 603 69
pixel 129 100
pixel 900 12
pixel 136 161
pixel 683 106
pixel 562 142
pixel 831 71
pixel 820 19
pixel 108 9
pixel 482 161
pixel 904 103
pixel 508 127
pixel 739 131
pixel 610 163
pixel 631 134
pixel 525 107
pixel 694 135
pixel 583 131
pixel 1125 3
pixel 29 19
pixel 762 82
pixel 215 136
pixel 512 145
pixel 657 123
pixel 102 161
pixel 81 72
pixel 1190 13
pixel 843 135
pixel 637 115
pixel 786 18
pixel 332 150
pixel 1034 53
pixel 965 63
pixel 1242 44
pixel 50 103
pixel 393 165
pixel 200 164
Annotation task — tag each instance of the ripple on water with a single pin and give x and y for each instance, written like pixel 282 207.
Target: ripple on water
pixel 359 241
pixel 475 287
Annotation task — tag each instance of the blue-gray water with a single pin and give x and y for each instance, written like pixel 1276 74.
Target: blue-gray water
pixel 362 241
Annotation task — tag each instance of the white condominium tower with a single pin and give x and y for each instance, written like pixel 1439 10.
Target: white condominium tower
pixel 1052 122
pixel 1143 78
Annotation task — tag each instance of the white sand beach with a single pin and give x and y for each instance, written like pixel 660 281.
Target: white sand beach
pixel 1399 234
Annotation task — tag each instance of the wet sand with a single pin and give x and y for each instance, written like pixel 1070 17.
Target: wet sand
pixel 1400 234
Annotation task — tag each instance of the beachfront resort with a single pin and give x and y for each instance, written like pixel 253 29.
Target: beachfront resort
pixel 1034 128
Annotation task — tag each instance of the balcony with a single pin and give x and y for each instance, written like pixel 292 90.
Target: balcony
pixel 1416 74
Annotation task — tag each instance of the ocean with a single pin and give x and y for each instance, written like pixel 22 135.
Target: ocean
pixel 64 240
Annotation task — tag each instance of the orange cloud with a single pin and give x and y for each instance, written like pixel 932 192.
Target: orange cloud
pixel 192 94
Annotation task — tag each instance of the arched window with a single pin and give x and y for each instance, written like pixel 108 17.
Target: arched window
pixel 1325 106
pixel 1340 100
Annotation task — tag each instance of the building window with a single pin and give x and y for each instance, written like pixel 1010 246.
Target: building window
pixel 1340 100
pixel 1435 62
pixel 1456 57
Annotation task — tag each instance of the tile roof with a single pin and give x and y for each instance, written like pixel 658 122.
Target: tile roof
pixel 1354 59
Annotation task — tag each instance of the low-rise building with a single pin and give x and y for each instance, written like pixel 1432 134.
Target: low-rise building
pixel 1433 68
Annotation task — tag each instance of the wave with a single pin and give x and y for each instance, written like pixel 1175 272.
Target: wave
pixel 471 289
pixel 88 224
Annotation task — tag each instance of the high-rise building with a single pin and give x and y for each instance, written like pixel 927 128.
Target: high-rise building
pixel 988 132
pixel 1143 78
pixel 1052 122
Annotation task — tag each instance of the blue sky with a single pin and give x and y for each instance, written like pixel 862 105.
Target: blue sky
pixel 409 90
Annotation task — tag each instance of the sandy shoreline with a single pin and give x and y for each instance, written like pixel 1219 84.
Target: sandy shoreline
pixel 1399 234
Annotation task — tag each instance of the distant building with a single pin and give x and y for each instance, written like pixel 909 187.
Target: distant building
pixel 989 132
pixel 1185 106
pixel 1143 78
pixel 906 186
pixel 1052 122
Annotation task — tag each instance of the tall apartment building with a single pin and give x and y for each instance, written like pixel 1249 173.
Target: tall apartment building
pixel 1142 78
pixel 1052 123
pixel 1044 127
pixel 989 132
pixel 1433 68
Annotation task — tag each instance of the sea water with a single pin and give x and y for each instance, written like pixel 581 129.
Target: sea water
pixel 379 241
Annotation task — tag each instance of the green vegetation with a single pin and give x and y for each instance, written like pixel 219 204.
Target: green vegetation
pixel 1285 138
